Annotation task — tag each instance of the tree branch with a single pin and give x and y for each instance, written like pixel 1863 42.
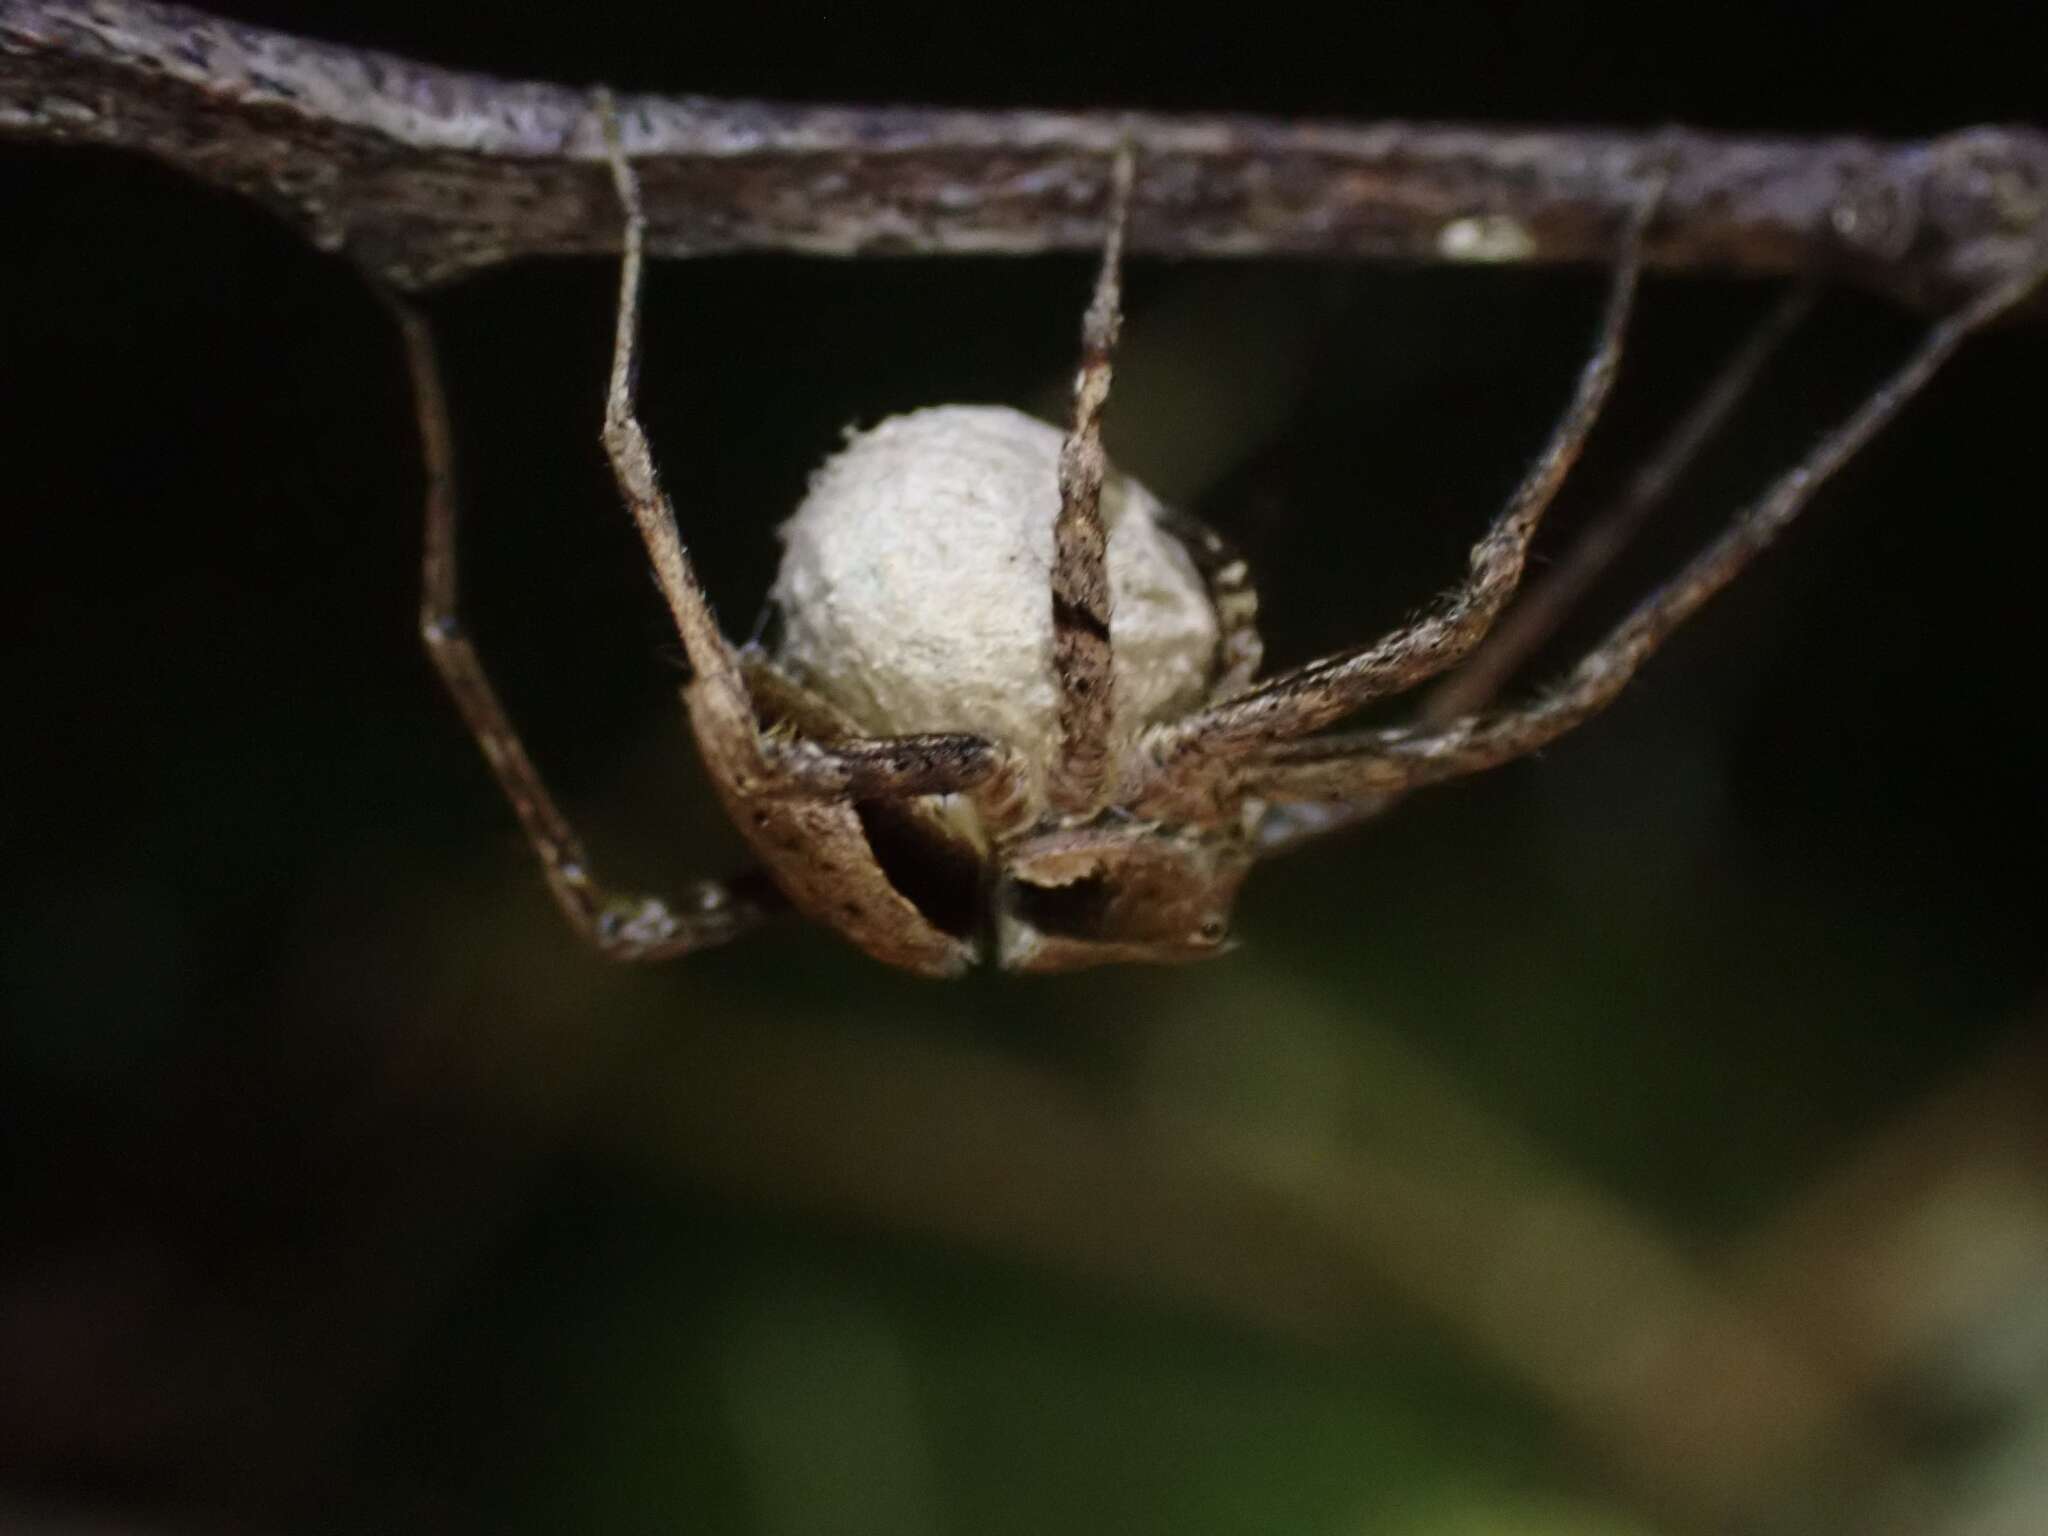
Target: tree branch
pixel 425 174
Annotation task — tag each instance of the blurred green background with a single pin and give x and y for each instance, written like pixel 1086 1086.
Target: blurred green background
pixel 1646 1138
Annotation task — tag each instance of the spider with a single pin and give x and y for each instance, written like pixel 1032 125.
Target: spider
pixel 1014 714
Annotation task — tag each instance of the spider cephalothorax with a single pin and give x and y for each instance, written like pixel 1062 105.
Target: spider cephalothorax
pixel 1011 710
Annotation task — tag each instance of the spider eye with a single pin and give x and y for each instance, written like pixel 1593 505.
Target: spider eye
pixel 1213 930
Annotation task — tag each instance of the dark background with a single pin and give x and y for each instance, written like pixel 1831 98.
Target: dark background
pixel 345 1191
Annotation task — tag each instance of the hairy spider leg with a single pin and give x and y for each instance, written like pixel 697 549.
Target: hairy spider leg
pixel 1537 615
pixel 1373 763
pixel 1082 659
pixel 625 927
pixel 721 705
pixel 1231 593
pixel 716 677
pixel 1195 755
pixel 796 800
pixel 633 926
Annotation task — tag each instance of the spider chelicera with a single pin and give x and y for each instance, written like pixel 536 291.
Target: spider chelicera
pixel 1107 766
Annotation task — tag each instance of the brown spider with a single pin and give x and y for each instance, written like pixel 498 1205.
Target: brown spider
pixel 1101 783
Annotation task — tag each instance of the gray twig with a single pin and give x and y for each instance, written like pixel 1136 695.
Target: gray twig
pixel 425 173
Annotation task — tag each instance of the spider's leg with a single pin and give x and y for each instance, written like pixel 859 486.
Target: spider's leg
pixel 1083 663
pixel 1308 698
pixel 820 750
pixel 1536 617
pixel 718 694
pixel 1239 649
pixel 1376 763
pixel 622 927
pixel 903 768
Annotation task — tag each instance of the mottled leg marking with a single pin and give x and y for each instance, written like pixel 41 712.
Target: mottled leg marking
pixel 621 926
pixel 1318 694
pixel 1083 662
pixel 906 767
pixel 1372 763
pixel 819 750
pixel 1231 593
pixel 881 767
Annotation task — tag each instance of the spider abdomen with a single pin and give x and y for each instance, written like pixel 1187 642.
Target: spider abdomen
pixel 913 586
